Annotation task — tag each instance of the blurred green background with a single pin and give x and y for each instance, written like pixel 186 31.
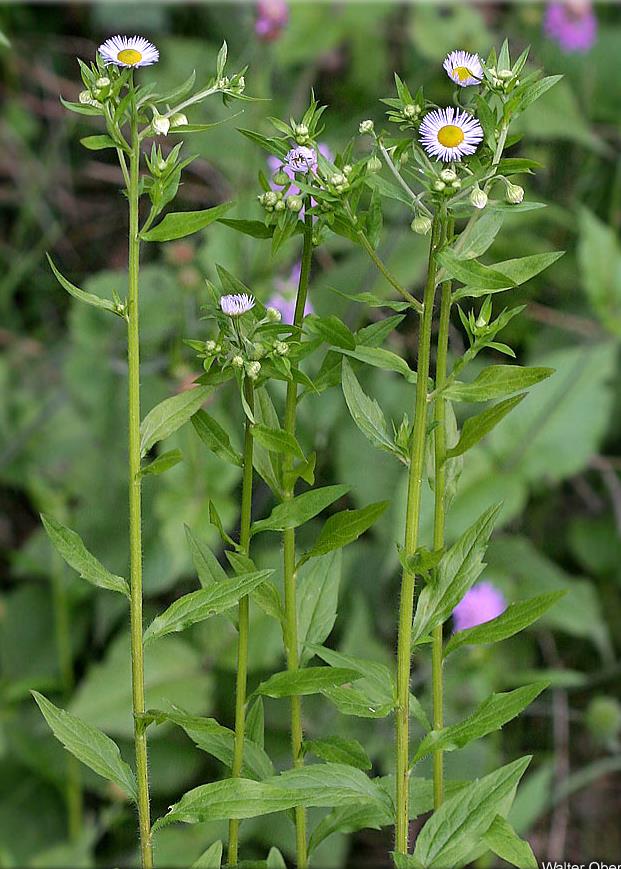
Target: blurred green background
pixel 555 464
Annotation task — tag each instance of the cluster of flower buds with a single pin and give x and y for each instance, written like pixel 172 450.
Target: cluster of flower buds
pixel 277 201
pixel 447 182
pixel 503 80
pixel 337 181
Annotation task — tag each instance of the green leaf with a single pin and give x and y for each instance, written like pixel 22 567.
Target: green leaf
pixel 378 357
pixel 482 235
pixel 211 858
pixel 332 330
pixel 373 694
pixel 519 270
pixel 502 839
pixel 311 680
pixel 458 570
pixel 317 601
pixel 70 547
pixel 276 440
pixel 218 741
pixel 332 784
pixel 89 745
pixel 473 272
pixel 182 223
pixel 98 143
pixel 496 381
pixel 207 566
pixel 214 436
pixel 345 527
pixel 169 415
pixel 373 301
pixel 515 618
pixel 491 715
pixel 162 463
pixel 531 93
pixel 200 605
pixel 464 818
pixel 476 427
pixel 366 412
pixel 253 228
pixel 275 860
pixel 297 511
pixel 337 749
pixel 82 295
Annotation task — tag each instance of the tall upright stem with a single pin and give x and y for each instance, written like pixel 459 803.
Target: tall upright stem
pixel 412 521
pixel 135 508
pixel 291 616
pixel 244 622
pixel 437 644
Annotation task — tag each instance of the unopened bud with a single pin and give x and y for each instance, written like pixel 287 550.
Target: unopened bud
pixel 179 120
pixel 374 164
pixel 366 127
pixel 161 125
pixel 237 362
pixel 505 74
pixel 421 225
pixel 456 185
pixel 253 369
pixel 86 99
pixel 410 111
pixel 281 178
pixel 514 194
pixel 280 206
pixel 210 346
pixel 478 197
pixel 448 175
pixel 294 203
pixel 603 718
pixel 439 186
pixel 347 169
pixel 270 199
pixel 281 348
pixel 273 315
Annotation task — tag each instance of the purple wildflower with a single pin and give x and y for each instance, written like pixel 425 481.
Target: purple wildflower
pixel 573 25
pixel 284 297
pixel 481 604
pixel 272 18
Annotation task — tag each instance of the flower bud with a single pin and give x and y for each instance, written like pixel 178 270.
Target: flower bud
pixel 161 125
pixel 456 185
pixel 281 348
pixel 366 127
pixel 295 203
pixel 237 362
pixel 253 369
pixel 210 346
pixel 514 194
pixel 338 178
pixel 448 175
pixel 280 206
pixel 439 186
pixel 273 315
pixel 347 169
pixel 86 99
pixel 179 120
pixel 505 74
pixel 270 199
pixel 374 164
pixel 102 86
pixel 421 225
pixel 478 197
pixel 281 178
pixel 603 718
pixel 241 84
pixel 410 111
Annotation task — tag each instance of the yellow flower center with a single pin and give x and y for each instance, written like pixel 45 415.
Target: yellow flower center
pixel 450 136
pixel 462 72
pixel 130 56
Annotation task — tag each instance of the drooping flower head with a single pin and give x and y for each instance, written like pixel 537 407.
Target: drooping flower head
pixel 301 159
pixel 283 300
pixel 272 18
pixel 450 134
pixel 128 51
pixel 236 304
pixel 464 68
pixel 481 603
pixel 573 25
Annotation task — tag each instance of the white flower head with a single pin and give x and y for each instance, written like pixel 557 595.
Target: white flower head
pixel 301 159
pixel 450 134
pixel 236 304
pixel 161 125
pixel 463 68
pixel 129 51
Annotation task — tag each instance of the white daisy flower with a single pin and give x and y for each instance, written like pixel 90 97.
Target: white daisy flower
pixel 301 159
pixel 129 51
pixel 450 134
pixel 463 68
pixel 236 304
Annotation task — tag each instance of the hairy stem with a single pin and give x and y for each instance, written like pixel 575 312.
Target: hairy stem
pixel 406 605
pixel 291 617
pixel 437 650
pixel 135 507
pixel 244 622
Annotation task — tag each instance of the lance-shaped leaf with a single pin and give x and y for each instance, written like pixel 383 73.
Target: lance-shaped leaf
pixel 496 381
pixel 373 694
pixel 345 527
pixel 332 784
pixel 379 357
pixel 366 412
pixel 317 601
pixel 200 605
pixel 476 427
pixel 481 236
pixel 70 547
pixel 491 715
pixel 310 680
pixel 332 330
pixel 82 295
pixel 215 739
pixel 182 223
pixel 515 618
pixel 519 270
pixel 502 839
pixel 162 463
pixel 253 228
pixel 169 415
pixel 207 566
pixel 457 572
pixel 297 511
pixel 211 433
pixel 211 858
pixel 338 749
pixel 98 143
pixel 88 744
pixel 277 440
pixel 472 272
pixel 451 831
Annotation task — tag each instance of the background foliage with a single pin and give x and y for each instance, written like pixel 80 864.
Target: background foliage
pixel 555 464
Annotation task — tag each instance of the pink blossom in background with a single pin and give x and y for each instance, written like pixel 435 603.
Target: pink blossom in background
pixel 272 18
pixel 573 25
pixel 284 297
pixel 481 604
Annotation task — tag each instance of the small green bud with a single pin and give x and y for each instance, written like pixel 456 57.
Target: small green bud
pixel 514 194
pixel 223 83
pixel 478 197
pixel 294 203
pixel 338 178
pixel 366 127
pixel 237 362
pixel 281 178
pixel 270 199
pixel 347 169
pixel 439 186
pixel 273 315
pixel 241 84
pixel 456 185
pixel 178 120
pixel 421 225
pixel 253 369
pixel 280 206
pixel 505 74
pixel 161 125
pixel 603 718
pixel 410 111
pixel 374 164
pixel 448 175
pixel 210 346
pixel 86 99
pixel 281 348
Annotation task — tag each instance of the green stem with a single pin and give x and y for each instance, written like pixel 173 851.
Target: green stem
pixel 244 622
pixel 406 605
pixel 437 646
pixel 135 507
pixel 291 617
